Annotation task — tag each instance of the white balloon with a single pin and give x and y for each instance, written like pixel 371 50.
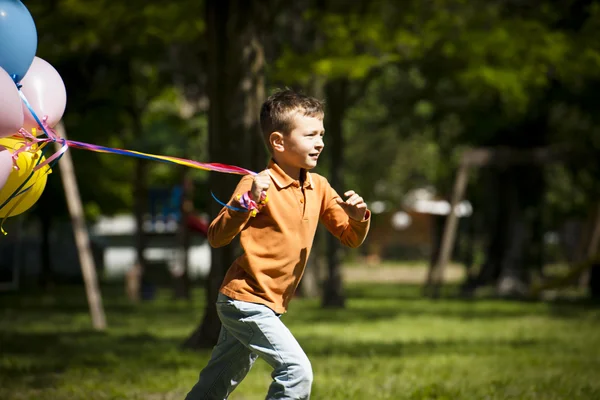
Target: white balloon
pixel 46 93
pixel 11 111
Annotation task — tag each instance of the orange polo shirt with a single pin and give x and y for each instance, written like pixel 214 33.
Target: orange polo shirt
pixel 278 240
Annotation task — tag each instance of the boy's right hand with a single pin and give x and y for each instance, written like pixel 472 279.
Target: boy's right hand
pixel 261 183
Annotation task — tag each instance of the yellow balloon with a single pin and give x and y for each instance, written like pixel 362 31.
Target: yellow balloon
pixel 26 161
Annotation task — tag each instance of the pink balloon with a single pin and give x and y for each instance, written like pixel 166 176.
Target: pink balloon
pixel 45 91
pixel 6 165
pixel 11 111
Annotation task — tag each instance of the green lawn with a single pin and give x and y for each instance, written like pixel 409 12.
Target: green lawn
pixel 387 344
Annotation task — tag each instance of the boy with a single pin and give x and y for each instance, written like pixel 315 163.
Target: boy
pixel 276 237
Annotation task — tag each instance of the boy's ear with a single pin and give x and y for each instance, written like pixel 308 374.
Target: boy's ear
pixel 276 141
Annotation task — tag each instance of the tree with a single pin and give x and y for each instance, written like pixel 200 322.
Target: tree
pixel 236 91
pixel 467 74
pixel 116 72
pixel 503 68
pixel 345 54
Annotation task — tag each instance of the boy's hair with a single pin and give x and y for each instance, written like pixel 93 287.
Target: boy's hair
pixel 277 112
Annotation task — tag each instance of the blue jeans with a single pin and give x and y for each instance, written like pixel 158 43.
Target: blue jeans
pixel 248 331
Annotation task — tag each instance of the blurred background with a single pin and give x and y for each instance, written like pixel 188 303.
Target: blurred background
pixel 487 108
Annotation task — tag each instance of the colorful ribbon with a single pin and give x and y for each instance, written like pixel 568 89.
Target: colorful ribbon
pixel 216 167
pixel 31 140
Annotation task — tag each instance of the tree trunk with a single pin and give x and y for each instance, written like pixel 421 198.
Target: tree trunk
pixel 135 277
pixel 181 281
pixel 525 197
pixel 336 93
pixel 236 92
pixel 309 286
pixel 438 222
pixel 589 243
pixel 468 255
pixel 513 280
pixel 46 278
pixel 594 281
pixel 593 257
pixel 496 182
pixel 140 202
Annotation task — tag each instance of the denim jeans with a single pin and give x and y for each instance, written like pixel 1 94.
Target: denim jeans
pixel 250 331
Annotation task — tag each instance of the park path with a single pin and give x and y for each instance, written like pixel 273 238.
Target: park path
pixel 397 273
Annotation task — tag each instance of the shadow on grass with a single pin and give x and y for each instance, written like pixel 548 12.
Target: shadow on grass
pixel 364 313
pixel 324 346
pixel 354 313
pixel 46 355
pixel 410 301
pixel 72 299
pixel 367 302
pixel 36 357
pixel 55 352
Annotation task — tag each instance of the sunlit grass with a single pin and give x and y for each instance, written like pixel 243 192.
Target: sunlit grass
pixel 389 343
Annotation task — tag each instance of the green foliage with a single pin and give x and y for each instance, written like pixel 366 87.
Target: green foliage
pixel 468 74
pixel 119 61
pixel 114 27
pixel 426 80
pixel 393 137
pixel 348 45
pixel 511 60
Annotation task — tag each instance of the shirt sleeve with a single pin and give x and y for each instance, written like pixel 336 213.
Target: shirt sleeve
pixel 228 223
pixel 350 232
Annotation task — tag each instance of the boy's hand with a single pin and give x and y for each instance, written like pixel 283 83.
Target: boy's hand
pixel 354 206
pixel 261 183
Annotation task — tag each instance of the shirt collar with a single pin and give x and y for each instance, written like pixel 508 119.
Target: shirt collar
pixel 283 180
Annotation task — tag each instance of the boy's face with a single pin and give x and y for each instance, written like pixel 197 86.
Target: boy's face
pixel 300 149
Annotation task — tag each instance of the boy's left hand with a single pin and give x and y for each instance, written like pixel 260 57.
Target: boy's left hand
pixel 354 206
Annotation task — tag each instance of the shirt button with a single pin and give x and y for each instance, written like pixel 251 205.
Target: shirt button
pixel 301 200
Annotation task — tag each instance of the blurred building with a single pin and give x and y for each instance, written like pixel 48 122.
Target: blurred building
pixel 406 231
pixel 112 240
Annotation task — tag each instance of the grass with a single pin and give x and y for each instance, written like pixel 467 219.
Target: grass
pixel 389 343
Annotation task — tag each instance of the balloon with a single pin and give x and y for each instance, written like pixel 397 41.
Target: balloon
pixel 45 91
pixel 18 38
pixel 6 166
pixel 11 108
pixel 26 161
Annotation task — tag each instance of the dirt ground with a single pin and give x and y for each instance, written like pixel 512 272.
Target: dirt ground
pixel 397 273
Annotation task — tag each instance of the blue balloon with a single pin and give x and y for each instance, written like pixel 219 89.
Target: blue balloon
pixel 18 38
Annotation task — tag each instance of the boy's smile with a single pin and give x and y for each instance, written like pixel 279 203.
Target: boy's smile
pixel 300 149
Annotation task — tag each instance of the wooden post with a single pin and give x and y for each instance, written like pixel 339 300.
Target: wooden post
pixel 80 233
pixel 582 265
pixel 499 156
pixel 436 274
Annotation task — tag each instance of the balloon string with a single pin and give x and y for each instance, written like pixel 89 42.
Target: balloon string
pixel 32 112
pixel 226 205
